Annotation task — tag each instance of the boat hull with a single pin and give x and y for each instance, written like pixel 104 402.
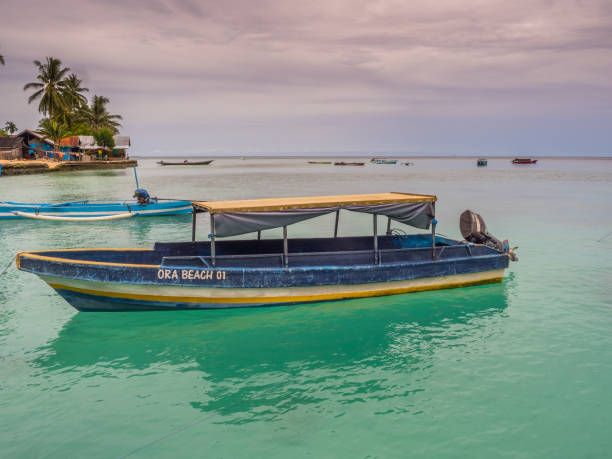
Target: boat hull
pixel 96 209
pixel 124 279
pixel 99 296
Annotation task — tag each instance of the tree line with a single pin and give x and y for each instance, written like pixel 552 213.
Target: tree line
pixel 65 108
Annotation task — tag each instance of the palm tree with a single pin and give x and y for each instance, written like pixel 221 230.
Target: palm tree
pixel 53 130
pixel 74 92
pixel 50 87
pixel 10 127
pixel 97 117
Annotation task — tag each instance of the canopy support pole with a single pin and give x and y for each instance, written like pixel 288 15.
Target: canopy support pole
pixel 285 247
pixel 376 260
pixel 336 225
pixel 259 235
pixel 388 226
pixel 212 240
pixel 194 214
pixel 433 238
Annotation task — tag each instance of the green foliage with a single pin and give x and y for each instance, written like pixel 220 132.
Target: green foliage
pixel 62 100
pixel 73 93
pixel 50 88
pixel 96 115
pixel 3 134
pixel 53 130
pixel 104 137
pixel 80 129
pixel 10 127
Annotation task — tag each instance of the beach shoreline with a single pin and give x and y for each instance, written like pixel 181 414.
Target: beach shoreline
pixel 38 166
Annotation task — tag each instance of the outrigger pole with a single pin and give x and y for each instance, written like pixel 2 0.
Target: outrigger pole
pixel 136 177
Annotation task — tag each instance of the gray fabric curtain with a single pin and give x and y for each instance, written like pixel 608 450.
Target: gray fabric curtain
pixel 232 224
pixel 417 214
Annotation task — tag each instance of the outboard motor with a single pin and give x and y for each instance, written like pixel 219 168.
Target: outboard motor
pixel 474 229
pixel 142 196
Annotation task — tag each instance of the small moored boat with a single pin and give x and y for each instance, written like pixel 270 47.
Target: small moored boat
pixel 319 162
pixel 342 163
pixel 524 161
pixel 264 272
pixel 482 162
pixel 184 163
pixel 92 210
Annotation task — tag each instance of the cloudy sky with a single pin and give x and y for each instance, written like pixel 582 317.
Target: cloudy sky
pixel 247 76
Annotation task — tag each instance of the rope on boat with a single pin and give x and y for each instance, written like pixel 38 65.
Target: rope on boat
pixel 170 434
pixel 73 219
pixel 7 267
pixel 604 236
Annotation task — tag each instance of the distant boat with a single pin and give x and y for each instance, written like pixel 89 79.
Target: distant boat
pixel 342 163
pixel 319 162
pixel 408 164
pixel 383 161
pixel 184 163
pixel 482 162
pixel 524 161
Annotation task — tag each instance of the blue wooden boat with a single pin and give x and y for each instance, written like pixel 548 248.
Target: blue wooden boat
pixel 85 210
pixel 263 272
pixel 93 211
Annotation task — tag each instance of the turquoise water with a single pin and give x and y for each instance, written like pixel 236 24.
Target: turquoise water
pixel 522 369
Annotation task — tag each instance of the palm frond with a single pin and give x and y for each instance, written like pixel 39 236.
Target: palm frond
pixel 35 96
pixel 33 85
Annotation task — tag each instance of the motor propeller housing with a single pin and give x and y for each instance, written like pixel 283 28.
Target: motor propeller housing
pixel 474 229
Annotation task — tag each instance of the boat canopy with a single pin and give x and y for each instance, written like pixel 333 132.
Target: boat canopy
pixel 232 218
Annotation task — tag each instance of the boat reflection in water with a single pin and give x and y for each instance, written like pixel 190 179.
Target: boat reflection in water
pixel 279 358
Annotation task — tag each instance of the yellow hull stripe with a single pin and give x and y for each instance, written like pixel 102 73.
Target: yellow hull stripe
pixel 284 299
pixel 35 256
pixel 118 249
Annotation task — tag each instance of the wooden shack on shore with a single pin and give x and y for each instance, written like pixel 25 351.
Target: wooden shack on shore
pixel 12 148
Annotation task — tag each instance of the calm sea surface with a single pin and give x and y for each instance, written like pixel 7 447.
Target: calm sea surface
pixel 522 369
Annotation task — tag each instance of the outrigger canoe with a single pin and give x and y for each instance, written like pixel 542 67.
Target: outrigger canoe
pixel 262 272
pixel 92 211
